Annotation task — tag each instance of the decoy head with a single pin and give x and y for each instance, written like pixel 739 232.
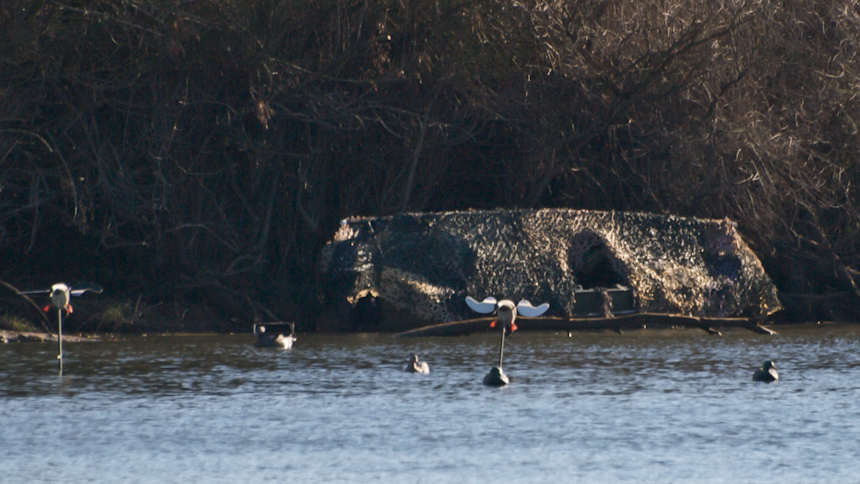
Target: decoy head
pixel 61 286
pixel 767 365
pixel 496 372
pixel 413 359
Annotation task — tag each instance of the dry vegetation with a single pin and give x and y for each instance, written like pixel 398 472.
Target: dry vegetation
pixel 206 149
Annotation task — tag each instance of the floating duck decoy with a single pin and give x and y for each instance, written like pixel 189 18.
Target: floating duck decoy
pixel 496 378
pixel 767 372
pixel 286 341
pixel 507 316
pixel 416 366
pixel 60 296
pixel 274 338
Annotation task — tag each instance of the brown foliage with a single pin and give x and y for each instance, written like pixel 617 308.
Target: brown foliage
pixel 217 143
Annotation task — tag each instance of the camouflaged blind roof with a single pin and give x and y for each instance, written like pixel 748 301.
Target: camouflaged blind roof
pixel 422 265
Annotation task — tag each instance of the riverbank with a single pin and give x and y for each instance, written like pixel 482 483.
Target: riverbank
pixel 99 315
pixel 631 324
pixel 26 337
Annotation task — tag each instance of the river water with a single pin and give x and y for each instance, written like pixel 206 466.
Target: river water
pixel 645 406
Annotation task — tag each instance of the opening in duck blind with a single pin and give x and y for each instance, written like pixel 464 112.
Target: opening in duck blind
pixel 596 269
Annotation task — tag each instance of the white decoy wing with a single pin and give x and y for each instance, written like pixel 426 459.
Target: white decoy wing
pixel 37 291
pixel 484 307
pixel 526 310
pixel 83 287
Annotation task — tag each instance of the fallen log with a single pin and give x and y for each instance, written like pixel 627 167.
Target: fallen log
pixel 617 324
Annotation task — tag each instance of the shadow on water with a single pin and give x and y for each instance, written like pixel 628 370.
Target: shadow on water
pixel 594 407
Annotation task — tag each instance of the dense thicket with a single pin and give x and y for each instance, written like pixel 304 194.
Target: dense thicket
pixel 208 148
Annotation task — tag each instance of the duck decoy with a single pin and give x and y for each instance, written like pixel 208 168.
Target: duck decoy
pixel 416 366
pixel 276 337
pixel 496 378
pixel 507 316
pixel 61 292
pixel 286 341
pixel 767 372
pixel 60 296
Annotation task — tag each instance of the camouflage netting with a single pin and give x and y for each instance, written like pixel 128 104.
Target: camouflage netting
pixel 400 272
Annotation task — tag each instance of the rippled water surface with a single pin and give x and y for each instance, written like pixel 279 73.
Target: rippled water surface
pixel 647 406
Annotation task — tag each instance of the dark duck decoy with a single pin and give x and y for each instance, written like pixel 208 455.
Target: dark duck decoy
pixel 767 372
pixel 496 378
pixel 507 316
pixel 416 366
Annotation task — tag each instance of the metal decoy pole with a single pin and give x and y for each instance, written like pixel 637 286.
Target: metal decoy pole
pixel 60 337
pixel 502 346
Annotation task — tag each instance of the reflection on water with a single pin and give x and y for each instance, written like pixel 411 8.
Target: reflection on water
pixel 649 406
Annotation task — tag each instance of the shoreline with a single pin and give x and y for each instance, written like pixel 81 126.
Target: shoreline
pixel 8 336
pixel 11 336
